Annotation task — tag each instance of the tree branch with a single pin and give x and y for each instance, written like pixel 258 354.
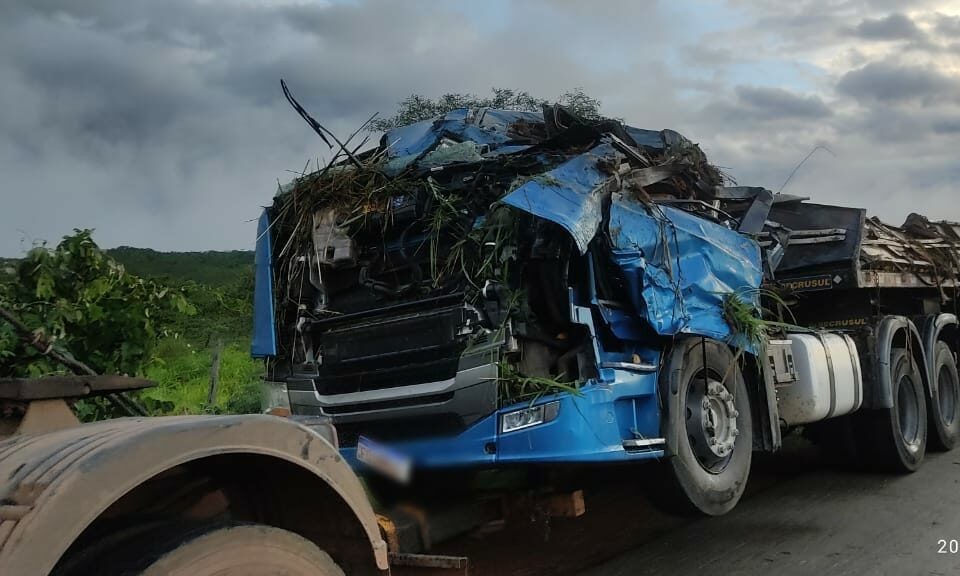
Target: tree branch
pixel 46 348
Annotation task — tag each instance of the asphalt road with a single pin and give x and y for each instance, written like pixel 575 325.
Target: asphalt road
pixel 799 517
pixel 819 522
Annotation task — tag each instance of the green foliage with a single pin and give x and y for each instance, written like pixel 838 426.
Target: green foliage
pixel 515 387
pixel 224 312
pixel 752 325
pixel 182 374
pixel 745 321
pixel 83 301
pixel 415 107
pixel 137 311
pixel 218 284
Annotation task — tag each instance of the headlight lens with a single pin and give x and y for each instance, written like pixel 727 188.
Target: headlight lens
pixel 532 416
pixel 274 399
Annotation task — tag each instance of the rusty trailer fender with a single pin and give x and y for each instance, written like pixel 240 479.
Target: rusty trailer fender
pixel 54 485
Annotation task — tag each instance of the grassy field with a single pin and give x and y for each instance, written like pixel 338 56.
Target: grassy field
pixel 220 285
pixel 183 376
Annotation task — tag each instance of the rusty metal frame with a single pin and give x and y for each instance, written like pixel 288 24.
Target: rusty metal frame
pixel 55 485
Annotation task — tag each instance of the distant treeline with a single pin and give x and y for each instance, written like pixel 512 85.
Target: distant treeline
pixel 211 268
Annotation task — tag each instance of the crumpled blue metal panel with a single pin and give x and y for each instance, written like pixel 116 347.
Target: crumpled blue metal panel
pixel 569 195
pixel 264 333
pixel 411 140
pixel 679 267
pixel 407 143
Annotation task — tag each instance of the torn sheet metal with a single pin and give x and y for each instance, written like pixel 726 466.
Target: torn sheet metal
pixel 485 127
pixel 654 139
pixel 570 195
pixel 679 267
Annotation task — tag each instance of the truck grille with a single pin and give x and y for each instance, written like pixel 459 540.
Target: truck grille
pixel 385 352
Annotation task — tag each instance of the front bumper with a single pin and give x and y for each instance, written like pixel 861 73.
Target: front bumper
pixel 607 422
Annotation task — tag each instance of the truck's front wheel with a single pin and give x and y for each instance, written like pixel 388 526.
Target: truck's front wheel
pixel 709 421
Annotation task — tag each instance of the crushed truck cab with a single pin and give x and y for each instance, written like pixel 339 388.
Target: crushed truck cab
pixel 506 301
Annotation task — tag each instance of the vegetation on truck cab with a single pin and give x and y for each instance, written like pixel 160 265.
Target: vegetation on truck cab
pixel 416 107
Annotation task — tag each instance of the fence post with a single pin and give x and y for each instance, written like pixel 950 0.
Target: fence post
pixel 215 373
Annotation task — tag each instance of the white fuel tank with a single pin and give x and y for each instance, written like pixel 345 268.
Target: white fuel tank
pixel 829 382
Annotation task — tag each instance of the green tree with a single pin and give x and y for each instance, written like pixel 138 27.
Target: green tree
pixel 82 301
pixel 415 107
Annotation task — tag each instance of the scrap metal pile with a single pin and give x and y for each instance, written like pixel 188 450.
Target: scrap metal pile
pixel 499 209
pixel 929 249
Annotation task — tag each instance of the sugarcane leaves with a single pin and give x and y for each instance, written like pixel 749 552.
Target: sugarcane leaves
pixel 485 251
pixel 515 387
pixel 444 219
pixel 751 324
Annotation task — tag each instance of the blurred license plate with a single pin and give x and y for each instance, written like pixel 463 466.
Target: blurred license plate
pixel 384 460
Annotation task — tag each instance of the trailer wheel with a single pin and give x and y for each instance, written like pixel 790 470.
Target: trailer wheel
pixel 901 432
pixel 178 549
pixel 712 426
pixel 944 408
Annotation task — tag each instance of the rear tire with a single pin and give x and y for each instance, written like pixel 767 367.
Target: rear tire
pixel 244 550
pixel 179 549
pixel 901 431
pixel 712 426
pixel 944 405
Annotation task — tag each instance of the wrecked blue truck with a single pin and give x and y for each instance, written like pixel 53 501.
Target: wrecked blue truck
pixel 497 288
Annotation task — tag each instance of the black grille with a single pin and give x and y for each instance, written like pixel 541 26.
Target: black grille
pixel 380 353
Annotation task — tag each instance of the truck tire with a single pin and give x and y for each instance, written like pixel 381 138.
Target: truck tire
pixel 177 549
pixel 901 431
pixel 944 407
pixel 712 425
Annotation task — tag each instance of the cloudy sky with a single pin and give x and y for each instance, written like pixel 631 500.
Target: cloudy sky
pixel 161 123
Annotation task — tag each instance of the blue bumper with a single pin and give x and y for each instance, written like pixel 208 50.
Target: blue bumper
pixel 590 427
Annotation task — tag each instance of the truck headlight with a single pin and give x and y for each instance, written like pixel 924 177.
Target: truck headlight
pixel 274 399
pixel 532 416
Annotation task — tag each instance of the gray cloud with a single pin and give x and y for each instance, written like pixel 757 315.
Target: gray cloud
pixel 895 26
pixel 771 103
pixel 891 83
pixel 948 26
pixel 161 123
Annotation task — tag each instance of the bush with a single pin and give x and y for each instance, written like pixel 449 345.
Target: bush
pixel 82 301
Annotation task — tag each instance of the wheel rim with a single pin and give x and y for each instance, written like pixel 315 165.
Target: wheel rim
pixel 908 412
pixel 711 422
pixel 947 393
